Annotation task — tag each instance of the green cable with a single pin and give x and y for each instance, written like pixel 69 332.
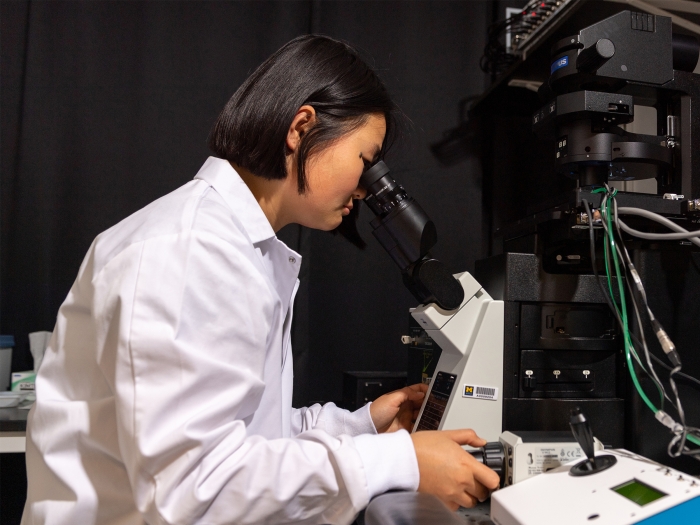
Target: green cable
pixel 619 314
pixel 606 247
pixel 606 257
pixel 609 245
pixel 619 282
pixel 623 308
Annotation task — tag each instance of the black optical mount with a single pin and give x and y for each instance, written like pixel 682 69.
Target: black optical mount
pixel 597 78
pixel 407 234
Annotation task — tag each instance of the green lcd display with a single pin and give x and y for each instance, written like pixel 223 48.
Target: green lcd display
pixel 638 492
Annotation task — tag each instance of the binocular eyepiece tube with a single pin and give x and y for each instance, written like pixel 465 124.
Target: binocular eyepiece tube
pixel 407 234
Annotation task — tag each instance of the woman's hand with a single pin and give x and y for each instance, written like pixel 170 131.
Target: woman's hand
pixel 449 472
pixel 398 409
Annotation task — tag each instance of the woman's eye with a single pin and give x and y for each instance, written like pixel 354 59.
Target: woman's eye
pixel 367 164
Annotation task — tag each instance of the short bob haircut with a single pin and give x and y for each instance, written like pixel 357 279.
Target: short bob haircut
pixel 326 74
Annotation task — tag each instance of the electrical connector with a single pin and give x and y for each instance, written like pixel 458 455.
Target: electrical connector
pixel 635 276
pixel 666 343
pixel 668 422
pixel 691 207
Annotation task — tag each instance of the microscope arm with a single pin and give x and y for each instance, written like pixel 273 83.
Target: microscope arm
pixel 470 365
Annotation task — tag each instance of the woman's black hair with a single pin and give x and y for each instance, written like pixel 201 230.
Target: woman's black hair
pixel 324 73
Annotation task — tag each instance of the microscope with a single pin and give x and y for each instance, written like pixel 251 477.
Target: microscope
pixel 531 335
pixel 455 312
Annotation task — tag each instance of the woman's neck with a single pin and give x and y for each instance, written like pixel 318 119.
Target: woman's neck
pixel 270 194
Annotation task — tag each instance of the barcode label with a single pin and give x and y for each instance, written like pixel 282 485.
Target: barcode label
pixel 480 392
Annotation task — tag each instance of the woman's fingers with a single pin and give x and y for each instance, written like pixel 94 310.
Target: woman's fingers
pixel 466 436
pixel 467 500
pixel 449 472
pixel 419 387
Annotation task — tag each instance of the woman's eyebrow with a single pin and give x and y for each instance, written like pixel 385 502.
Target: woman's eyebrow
pixel 375 154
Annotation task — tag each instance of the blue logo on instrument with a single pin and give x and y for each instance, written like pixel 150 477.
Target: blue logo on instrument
pixel 558 64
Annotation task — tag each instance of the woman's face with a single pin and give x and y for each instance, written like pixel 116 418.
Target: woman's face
pixel 333 175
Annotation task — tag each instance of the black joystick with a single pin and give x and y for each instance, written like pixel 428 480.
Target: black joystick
pixel 583 434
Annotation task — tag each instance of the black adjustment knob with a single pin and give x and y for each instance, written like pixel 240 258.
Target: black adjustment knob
pixel 493 456
pixel 592 58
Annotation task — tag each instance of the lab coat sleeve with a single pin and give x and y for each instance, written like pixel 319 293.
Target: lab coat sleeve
pixel 386 458
pixel 335 421
pixel 190 337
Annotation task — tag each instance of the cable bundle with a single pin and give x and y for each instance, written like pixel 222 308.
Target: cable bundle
pixel 497 58
pixel 616 256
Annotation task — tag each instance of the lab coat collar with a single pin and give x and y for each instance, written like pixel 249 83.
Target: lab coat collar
pixel 229 184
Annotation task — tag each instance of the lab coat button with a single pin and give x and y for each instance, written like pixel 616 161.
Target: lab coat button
pixel 292 260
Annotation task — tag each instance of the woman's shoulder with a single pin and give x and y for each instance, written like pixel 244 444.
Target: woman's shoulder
pixel 194 210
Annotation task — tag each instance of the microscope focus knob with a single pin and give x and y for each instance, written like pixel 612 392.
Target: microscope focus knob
pixel 493 456
pixel 592 58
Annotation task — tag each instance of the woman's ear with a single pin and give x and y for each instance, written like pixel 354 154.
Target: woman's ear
pixel 303 121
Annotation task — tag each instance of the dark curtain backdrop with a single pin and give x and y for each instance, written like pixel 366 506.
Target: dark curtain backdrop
pixel 106 106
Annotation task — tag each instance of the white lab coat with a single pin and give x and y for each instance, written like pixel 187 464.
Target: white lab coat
pixel 165 393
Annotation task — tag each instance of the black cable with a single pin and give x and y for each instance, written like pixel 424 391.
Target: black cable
pixel 677 445
pixel 629 268
pixel 591 232
pixel 496 58
pixel 605 293
pixel 685 376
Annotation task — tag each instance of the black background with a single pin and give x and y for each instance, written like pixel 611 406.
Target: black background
pixel 107 105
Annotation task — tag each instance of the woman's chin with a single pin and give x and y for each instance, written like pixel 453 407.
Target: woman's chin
pixel 334 225
pixel 326 225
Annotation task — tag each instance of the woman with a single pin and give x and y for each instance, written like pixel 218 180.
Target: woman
pixel 165 393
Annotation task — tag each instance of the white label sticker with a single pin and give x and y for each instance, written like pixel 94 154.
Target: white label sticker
pixel 480 392
pixel 548 458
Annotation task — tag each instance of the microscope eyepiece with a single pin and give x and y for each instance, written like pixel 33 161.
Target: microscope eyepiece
pixel 383 193
pixel 373 174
